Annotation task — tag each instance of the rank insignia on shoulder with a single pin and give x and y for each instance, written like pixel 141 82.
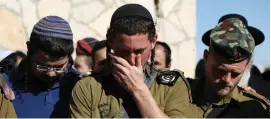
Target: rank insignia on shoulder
pixel 82 75
pixel 257 96
pixel 168 77
pixel 9 94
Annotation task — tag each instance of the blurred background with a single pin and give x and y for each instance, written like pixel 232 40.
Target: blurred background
pixel 180 23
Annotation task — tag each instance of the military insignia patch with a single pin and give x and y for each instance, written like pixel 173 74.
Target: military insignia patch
pixel 8 93
pixel 82 75
pixel 104 109
pixel 168 77
pixel 238 55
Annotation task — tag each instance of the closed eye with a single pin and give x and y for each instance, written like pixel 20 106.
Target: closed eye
pixel 139 51
pixel 235 74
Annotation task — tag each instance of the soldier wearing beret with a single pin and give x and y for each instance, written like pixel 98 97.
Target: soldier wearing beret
pixel 217 94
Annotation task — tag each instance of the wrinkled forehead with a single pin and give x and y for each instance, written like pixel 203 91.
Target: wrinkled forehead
pixel 132 42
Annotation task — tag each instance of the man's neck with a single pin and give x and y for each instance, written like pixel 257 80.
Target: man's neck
pixel 210 95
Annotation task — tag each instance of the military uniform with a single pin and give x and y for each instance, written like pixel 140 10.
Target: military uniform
pixel 238 104
pixel 100 95
pixel 231 41
pixel 6 106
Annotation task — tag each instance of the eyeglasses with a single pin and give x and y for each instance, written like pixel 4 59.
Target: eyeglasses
pixel 42 68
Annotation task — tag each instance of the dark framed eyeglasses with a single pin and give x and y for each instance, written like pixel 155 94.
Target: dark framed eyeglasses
pixel 42 68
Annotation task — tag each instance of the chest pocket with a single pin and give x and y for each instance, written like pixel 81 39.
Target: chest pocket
pixel 105 105
pixel 108 106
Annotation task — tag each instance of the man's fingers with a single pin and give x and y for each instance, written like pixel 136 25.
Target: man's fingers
pixel 138 62
pixel 251 89
pixel 118 67
pixel 119 60
pixel 247 88
pixel 119 77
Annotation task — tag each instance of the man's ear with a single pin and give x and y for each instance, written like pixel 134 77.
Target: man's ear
pixel 154 40
pixel 205 55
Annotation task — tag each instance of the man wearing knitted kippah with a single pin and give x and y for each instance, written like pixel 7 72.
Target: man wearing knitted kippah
pixel 41 83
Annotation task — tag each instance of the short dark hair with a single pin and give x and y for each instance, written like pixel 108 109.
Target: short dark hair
pixel 98 46
pixel 167 51
pixel 200 69
pixel 131 25
pixel 55 47
pixel 9 62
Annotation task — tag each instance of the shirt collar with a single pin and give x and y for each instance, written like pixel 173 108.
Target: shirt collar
pixel 150 74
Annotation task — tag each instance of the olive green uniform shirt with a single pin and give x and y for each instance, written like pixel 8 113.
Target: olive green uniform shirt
pixel 6 106
pixel 238 104
pixel 101 96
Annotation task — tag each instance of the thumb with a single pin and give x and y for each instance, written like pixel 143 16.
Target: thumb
pixel 138 61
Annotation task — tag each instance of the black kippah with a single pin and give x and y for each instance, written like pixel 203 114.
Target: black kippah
pixel 131 10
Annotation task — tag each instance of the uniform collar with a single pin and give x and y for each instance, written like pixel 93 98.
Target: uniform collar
pixel 150 74
pixel 148 70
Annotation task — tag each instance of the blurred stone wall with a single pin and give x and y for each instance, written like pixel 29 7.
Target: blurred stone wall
pixel 176 23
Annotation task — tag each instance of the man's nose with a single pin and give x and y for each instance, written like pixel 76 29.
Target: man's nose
pixel 51 73
pixel 227 77
pixel 131 59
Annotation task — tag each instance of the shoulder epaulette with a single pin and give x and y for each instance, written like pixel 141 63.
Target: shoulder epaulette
pixel 82 75
pixel 258 97
pixel 9 94
pixel 169 77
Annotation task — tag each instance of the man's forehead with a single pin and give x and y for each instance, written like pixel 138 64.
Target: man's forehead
pixel 232 67
pixel 122 36
pixel 221 61
pixel 159 52
pixel 158 46
pixel 137 41
pixel 43 57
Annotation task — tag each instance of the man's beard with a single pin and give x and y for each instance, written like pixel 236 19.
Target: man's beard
pixel 226 90
pixel 216 91
pixel 223 88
